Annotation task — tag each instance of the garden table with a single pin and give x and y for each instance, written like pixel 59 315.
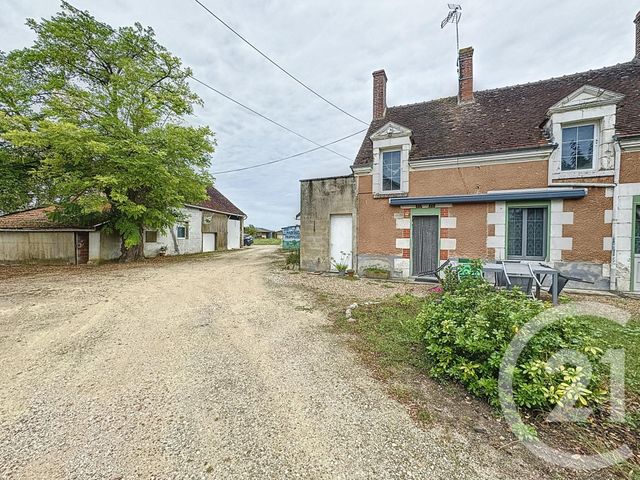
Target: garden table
pixel 522 269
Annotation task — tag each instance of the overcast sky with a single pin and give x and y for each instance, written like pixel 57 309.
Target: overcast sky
pixel 333 46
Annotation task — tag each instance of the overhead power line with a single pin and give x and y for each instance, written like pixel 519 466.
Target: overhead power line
pixel 277 65
pixel 257 165
pixel 204 84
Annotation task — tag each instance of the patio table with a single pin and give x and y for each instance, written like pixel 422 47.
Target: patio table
pixel 522 269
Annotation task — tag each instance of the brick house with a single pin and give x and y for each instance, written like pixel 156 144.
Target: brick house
pixel 547 171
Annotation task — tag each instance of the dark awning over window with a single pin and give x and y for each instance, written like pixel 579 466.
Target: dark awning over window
pixel 493 197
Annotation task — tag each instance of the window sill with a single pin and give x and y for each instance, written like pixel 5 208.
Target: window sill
pixel 396 194
pixel 582 174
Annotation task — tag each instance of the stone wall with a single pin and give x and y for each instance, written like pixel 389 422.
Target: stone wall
pixel 319 199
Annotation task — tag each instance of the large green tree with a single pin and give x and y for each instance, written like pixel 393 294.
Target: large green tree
pixel 93 118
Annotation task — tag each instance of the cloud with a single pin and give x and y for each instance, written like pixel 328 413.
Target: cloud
pixel 334 46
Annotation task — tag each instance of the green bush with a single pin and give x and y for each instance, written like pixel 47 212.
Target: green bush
pixel 293 259
pixel 467 332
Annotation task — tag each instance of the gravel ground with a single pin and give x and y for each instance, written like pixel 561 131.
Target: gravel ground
pixel 204 368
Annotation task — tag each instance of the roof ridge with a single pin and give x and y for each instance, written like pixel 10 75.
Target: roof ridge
pixel 633 62
pixel 26 210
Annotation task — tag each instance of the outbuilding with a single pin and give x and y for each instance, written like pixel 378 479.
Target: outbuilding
pixel 30 236
pixel 212 225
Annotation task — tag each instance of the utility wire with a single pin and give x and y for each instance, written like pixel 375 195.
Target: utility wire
pixel 257 165
pixel 319 146
pixel 204 84
pixel 277 65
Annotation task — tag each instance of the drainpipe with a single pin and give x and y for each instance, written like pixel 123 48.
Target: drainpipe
pixel 613 283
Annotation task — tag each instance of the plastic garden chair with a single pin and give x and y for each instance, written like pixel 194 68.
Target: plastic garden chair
pixel 468 269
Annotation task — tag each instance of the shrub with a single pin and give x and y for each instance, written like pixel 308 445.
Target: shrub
pixel 293 259
pixel 467 332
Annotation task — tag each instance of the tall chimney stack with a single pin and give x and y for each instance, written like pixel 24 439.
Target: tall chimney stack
pixel 379 94
pixel 465 81
pixel 637 22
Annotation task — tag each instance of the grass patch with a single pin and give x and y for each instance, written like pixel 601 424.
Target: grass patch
pixel 388 332
pixel 267 241
pixel 627 338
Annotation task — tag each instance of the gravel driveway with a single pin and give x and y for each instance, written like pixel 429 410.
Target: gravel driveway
pixel 201 368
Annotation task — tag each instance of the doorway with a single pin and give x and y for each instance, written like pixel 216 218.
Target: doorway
pixel 82 247
pixel 341 240
pixel 425 243
pixel 208 242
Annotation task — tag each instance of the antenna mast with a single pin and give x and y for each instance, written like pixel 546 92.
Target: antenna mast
pixel 455 12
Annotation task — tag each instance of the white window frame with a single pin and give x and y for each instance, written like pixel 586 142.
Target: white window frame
pixel 184 225
pixel 391 137
pixel 382 153
pixel 595 160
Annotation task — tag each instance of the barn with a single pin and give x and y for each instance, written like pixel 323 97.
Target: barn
pixel 212 225
pixel 30 236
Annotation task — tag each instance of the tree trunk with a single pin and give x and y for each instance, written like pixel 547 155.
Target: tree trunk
pixel 131 254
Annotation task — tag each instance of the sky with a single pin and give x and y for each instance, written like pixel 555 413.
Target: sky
pixel 334 46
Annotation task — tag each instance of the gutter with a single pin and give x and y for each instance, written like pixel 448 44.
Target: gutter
pixel 244 215
pixel 492 197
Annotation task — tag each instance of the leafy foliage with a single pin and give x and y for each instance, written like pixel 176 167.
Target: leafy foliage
pixel 467 332
pixel 293 259
pixel 93 118
pixel 251 230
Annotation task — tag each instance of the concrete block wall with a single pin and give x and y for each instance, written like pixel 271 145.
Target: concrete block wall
pixel 319 199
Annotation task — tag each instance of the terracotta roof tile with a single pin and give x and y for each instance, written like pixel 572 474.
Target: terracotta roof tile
pixel 220 203
pixel 35 219
pixel 504 118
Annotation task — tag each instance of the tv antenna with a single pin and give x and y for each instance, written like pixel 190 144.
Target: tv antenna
pixel 455 12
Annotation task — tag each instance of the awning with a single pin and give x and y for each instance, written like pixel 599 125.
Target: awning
pixel 550 194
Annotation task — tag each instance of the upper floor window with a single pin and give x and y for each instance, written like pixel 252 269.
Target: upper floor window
pixel 391 171
pixel 578 145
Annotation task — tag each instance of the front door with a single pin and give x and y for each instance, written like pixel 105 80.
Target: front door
pixel 424 244
pixel 82 247
pixel 341 244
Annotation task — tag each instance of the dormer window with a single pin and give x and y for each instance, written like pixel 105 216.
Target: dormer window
pixel 578 147
pixel 391 171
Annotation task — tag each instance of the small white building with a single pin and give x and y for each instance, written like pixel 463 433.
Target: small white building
pixel 214 224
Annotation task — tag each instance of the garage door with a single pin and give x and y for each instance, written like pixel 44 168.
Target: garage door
pixel 208 242
pixel 233 235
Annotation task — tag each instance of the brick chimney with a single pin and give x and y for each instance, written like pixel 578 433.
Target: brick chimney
pixel 637 22
pixel 465 81
pixel 379 94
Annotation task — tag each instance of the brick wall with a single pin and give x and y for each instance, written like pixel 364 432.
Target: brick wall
pixel 591 235
pixel 630 167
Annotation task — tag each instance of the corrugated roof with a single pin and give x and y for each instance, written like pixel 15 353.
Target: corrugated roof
pixel 504 118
